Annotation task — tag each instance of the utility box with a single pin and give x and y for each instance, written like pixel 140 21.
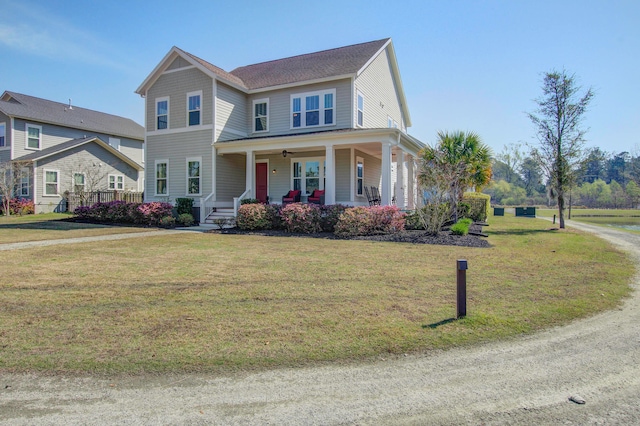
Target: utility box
pixel 498 211
pixel 526 211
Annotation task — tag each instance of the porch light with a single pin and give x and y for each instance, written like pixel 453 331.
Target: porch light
pixel 274 171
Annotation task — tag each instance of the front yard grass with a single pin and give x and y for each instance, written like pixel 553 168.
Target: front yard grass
pixel 39 227
pixel 222 303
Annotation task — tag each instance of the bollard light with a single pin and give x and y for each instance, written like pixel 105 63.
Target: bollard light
pixel 462 288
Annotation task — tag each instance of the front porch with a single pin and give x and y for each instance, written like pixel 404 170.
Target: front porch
pixel 342 163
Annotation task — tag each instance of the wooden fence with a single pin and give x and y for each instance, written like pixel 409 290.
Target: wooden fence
pixel 90 198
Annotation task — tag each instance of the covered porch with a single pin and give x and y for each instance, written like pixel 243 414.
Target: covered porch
pixel 340 162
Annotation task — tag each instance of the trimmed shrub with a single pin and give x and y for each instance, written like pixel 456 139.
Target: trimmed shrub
pixel 480 205
pixel 252 217
pixel 273 215
pixel 302 218
pixel 184 206
pixel 249 201
pixel 464 208
pixel 167 222
pixel 461 227
pixel 185 219
pixel 373 220
pixel 329 216
pixel 122 212
pixel 154 212
pixel 19 206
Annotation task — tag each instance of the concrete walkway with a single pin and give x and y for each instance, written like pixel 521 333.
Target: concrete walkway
pixel 110 237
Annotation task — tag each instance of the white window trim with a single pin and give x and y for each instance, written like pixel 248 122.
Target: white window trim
pixel 253 114
pixel 303 106
pixel 155 178
pixel 3 134
pixel 190 94
pixel 22 171
pixel 44 183
pixel 198 159
pixel 359 95
pixel 303 183
pixel 359 160
pixel 115 143
pixel 115 182
pixel 389 122
pixel 26 136
pixel 73 180
pixel 166 98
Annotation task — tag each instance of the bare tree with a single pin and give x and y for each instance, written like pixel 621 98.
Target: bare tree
pixel 558 122
pixel 10 182
pixel 88 177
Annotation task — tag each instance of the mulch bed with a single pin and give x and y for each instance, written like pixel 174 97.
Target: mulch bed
pixel 415 237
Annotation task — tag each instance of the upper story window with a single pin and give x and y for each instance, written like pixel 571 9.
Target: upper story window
pixel 34 136
pixel 162 113
pixel 313 109
pixel 360 118
pixel 193 108
pixel 3 132
pixel 115 142
pixel 261 115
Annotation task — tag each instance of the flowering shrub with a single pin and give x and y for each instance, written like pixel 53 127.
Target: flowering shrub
pixel 153 212
pixel 273 215
pixel 252 217
pixel 329 216
pixel 370 221
pixel 123 212
pixel 303 218
pixel 20 206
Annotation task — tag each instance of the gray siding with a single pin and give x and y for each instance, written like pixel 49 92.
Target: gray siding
pixel 343 175
pixel 177 148
pixel 179 62
pixel 230 176
pixel 5 152
pixel 176 85
pixel 280 106
pixel 372 170
pixel 89 159
pixel 231 113
pixel 381 99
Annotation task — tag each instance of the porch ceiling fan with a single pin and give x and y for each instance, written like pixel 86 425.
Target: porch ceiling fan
pixel 285 153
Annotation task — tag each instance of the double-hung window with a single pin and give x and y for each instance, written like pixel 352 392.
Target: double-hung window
pixel 51 182
pixel 24 182
pixel 360 117
pixel 193 175
pixel 261 115
pixel 359 176
pixel 162 113
pixel 3 132
pixel 194 108
pixel 313 109
pixel 116 182
pixel 34 136
pixel 78 183
pixel 162 177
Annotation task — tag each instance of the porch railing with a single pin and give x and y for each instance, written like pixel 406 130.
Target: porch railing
pixel 77 199
pixel 205 210
pixel 237 200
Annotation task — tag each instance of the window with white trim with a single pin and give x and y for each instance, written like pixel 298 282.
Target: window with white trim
pixel 359 176
pixel 193 108
pixel 116 182
pixel 360 117
pixel 313 109
pixel 3 133
pixel 162 177
pixel 193 175
pixel 24 182
pixel 308 174
pixel 34 136
pixel 261 115
pixel 162 113
pixel 389 122
pixel 51 182
pixel 78 183
pixel 115 142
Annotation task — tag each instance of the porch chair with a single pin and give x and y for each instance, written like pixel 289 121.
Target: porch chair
pixel 316 197
pixel 369 197
pixel 292 196
pixel 377 199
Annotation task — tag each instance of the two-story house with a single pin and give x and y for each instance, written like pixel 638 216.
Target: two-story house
pixel 333 120
pixel 61 147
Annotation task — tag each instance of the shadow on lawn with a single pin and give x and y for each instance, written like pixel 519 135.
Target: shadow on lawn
pixel 523 231
pixel 438 324
pixel 52 225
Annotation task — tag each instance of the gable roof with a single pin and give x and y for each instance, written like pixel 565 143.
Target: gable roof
pixel 44 111
pixel 65 146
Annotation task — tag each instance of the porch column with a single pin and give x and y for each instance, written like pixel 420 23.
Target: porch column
pixel 386 174
pixel 400 202
pixel 250 167
pixel 411 184
pixel 330 176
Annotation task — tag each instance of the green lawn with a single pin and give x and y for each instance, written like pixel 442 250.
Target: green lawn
pixel 38 227
pixel 219 303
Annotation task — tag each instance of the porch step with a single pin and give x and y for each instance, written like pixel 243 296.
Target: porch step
pixel 220 214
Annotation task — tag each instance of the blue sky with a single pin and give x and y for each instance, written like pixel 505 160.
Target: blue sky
pixel 465 65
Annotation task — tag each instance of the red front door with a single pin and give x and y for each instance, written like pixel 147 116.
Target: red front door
pixel 261 182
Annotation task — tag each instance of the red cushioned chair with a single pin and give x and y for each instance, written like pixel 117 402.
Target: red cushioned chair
pixel 316 197
pixel 292 196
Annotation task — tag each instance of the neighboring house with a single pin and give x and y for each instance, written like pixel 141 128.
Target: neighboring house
pixel 333 120
pixel 66 148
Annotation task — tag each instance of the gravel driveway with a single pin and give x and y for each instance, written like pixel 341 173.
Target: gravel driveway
pixel 527 380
